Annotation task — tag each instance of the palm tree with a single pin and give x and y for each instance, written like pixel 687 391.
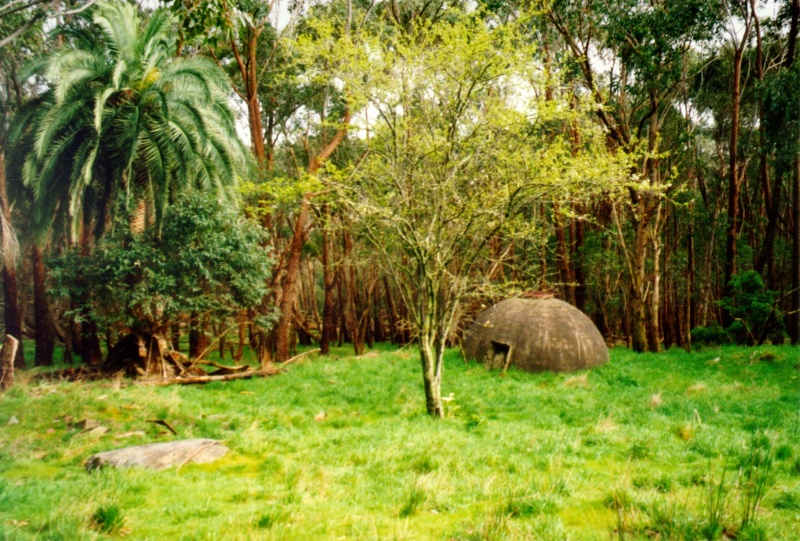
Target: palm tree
pixel 121 120
pixel 122 116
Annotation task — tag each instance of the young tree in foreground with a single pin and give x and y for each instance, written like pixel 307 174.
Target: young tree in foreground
pixel 462 147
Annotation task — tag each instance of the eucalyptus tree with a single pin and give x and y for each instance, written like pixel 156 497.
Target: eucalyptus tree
pixel 120 118
pixel 631 58
pixel 458 148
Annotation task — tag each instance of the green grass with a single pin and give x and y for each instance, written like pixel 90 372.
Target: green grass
pixel 672 446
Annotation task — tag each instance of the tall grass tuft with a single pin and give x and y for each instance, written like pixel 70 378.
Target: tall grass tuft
pixel 756 477
pixel 717 503
pixel 108 519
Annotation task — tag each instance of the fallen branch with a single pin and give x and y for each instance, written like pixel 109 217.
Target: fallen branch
pixel 189 380
pixel 223 369
pixel 162 422
pixel 293 359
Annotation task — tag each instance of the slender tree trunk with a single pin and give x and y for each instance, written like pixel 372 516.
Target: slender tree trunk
pixel 734 186
pixel 691 302
pixel 432 354
pixel 794 322
pixel 562 257
pixel 577 264
pixel 391 312
pixel 44 332
pixel 12 313
pixel 7 362
pixel 638 316
pixel 289 286
pixel 377 313
pixel 328 283
pixel 654 327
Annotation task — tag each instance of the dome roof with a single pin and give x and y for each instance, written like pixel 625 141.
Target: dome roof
pixel 535 335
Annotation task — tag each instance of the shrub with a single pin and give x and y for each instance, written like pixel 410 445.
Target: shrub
pixel 205 259
pixel 753 309
pixel 713 335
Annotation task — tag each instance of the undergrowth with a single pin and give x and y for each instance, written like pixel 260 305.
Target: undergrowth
pixel 675 446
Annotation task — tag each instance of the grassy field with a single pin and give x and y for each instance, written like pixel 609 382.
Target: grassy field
pixel 673 446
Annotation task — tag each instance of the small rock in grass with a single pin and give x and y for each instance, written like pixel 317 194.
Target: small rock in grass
pixel 97 431
pixel 13 421
pixel 87 424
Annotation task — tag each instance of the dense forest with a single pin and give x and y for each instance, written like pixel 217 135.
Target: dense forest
pixel 267 174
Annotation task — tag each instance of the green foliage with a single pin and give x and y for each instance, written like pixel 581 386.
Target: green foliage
pixel 714 334
pixel 206 260
pixel 753 309
pixel 119 113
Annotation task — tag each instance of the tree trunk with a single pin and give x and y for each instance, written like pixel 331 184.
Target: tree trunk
pixel 562 258
pixel 350 300
pixel 734 186
pixel 638 288
pixel 577 264
pixel 691 303
pixel 391 312
pixel 44 332
pixel 289 286
pixel 12 313
pixel 328 282
pixel 7 362
pixel 198 336
pixel 301 229
pixel 794 321
pixel 431 354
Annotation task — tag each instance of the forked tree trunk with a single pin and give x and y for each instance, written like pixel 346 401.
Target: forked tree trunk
pixel 295 251
pixel 432 354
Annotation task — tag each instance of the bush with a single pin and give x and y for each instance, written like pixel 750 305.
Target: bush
pixel 753 309
pixel 206 259
pixel 713 335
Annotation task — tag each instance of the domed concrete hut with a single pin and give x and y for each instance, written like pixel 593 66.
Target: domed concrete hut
pixel 535 335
